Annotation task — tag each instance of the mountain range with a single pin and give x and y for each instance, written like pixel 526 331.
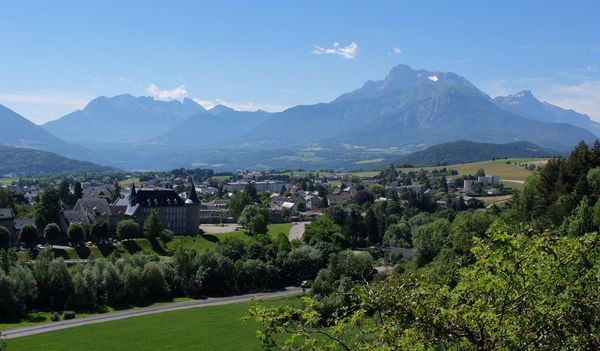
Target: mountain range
pixel 411 108
pixel 406 111
pixel 525 104
pixel 122 119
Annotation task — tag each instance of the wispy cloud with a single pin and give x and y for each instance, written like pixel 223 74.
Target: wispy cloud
pixel 59 98
pixel 498 87
pixel 347 52
pixel 592 68
pixel 167 95
pixel 396 51
pixel 583 97
pixel 240 106
pixel 44 105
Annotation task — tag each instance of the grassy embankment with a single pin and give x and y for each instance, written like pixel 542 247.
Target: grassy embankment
pixel 161 248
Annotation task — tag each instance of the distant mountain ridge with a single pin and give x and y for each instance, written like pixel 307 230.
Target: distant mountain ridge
pixel 122 119
pixel 525 104
pixel 407 109
pixel 29 162
pixel 464 151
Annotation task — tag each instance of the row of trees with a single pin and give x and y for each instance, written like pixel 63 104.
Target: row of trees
pixel 234 266
pixel 100 230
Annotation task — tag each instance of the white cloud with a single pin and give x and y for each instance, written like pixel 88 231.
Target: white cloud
pixel 397 51
pixel 433 78
pixel 347 52
pixel 240 106
pixel 166 95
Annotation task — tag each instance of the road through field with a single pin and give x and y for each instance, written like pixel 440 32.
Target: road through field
pixel 43 328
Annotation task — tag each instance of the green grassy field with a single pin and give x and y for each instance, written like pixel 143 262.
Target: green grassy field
pixel 130 181
pixel 498 167
pixel 7 180
pixel 215 328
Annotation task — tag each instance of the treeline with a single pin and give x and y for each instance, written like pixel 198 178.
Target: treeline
pixel 555 192
pixel 233 267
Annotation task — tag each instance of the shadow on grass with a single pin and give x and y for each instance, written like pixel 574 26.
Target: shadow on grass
pixel 210 237
pixel 157 247
pixel 131 246
pixel 106 249
pixel 82 251
pixel 31 317
pixel 60 253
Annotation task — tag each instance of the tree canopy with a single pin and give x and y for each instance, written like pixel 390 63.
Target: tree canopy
pixel 522 292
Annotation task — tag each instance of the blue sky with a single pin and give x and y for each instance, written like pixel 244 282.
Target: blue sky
pixel 55 56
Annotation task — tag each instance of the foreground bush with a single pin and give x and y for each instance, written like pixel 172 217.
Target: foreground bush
pixel 522 293
pixel 68 315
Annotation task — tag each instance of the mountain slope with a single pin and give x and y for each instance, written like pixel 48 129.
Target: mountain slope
pixel 122 119
pixel 467 151
pixel 215 127
pixel 31 162
pixel 525 104
pixel 16 130
pixel 408 109
pixel 455 114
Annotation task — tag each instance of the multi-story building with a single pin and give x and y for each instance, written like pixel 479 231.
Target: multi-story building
pixel 177 215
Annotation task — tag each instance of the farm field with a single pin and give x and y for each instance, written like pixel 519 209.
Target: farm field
pixel 130 181
pixel 217 328
pixel 7 180
pixel 498 200
pixel 511 168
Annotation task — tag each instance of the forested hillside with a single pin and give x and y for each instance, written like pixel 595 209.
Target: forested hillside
pixel 468 151
pixel 32 162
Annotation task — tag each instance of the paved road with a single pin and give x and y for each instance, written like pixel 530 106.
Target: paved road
pixel 44 328
pixel 297 231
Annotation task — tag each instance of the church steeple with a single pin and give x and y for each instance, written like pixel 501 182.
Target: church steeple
pixel 133 195
pixel 193 196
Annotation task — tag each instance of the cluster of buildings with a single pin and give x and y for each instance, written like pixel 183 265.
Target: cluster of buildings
pixel 273 186
pixel 180 215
